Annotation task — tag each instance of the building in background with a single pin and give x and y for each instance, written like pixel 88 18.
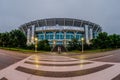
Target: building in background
pixel 59 31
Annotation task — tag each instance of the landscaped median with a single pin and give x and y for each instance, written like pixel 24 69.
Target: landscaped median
pixel 92 51
pixel 70 52
pixel 22 50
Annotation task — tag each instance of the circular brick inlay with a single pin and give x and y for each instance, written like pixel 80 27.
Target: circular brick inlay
pixel 63 74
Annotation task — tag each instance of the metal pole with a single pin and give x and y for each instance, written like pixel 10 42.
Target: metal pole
pixel 35 47
pixel 36 44
pixel 82 44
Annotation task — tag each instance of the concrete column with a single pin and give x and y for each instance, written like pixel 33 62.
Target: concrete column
pixel 97 32
pixel 33 34
pixel 93 30
pixel 28 35
pixel 73 22
pixel 38 24
pixel 86 33
pixel 54 41
pixel 23 30
pixel 89 33
pixel 74 34
pixel 93 33
pixel 64 21
pixel 65 39
pixel 44 35
pixel 54 35
pixel 81 24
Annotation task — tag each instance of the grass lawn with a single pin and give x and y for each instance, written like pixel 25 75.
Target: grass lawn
pixel 69 52
pixel 22 50
pixel 91 51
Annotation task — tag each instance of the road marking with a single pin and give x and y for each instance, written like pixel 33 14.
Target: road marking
pixel 11 56
pixel 63 74
pixel 3 78
pixel 117 77
pixel 102 57
pixel 44 64
pixel 95 71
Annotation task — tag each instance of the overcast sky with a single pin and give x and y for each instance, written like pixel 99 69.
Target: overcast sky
pixel 106 13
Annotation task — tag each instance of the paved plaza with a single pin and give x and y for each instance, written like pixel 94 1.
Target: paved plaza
pixel 51 67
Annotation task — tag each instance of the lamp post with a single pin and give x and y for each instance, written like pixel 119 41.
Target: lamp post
pixel 54 43
pixel 82 39
pixel 32 40
pixel 36 42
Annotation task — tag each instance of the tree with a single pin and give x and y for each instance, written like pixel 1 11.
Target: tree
pixel 44 45
pixel 104 41
pixel 114 41
pixel 17 39
pixel 74 44
pixel 14 38
pixel 4 39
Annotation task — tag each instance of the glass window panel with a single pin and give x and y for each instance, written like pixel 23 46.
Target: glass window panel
pixel 59 35
pixel 69 35
pixel 41 36
pixel 51 36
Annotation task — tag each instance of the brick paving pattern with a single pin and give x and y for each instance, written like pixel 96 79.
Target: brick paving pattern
pixel 46 67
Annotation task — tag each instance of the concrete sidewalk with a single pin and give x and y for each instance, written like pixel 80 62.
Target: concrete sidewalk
pixel 45 67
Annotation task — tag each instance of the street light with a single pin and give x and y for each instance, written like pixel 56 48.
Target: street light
pixel 82 39
pixel 36 42
pixel 32 39
pixel 54 42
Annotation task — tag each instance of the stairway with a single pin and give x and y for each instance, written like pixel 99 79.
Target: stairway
pixel 55 49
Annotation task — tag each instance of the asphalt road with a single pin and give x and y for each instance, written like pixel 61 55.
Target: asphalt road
pixel 113 57
pixel 10 57
pixel 109 56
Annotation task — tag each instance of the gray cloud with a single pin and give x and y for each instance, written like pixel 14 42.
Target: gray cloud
pixel 16 12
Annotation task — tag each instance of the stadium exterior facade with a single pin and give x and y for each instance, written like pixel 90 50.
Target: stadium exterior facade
pixel 59 31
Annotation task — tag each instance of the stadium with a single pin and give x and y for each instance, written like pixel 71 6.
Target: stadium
pixel 59 31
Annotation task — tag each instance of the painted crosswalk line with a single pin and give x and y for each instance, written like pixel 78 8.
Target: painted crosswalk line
pixel 45 67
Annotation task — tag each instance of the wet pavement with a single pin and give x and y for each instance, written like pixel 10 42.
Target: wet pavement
pixel 104 66
pixel 8 58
